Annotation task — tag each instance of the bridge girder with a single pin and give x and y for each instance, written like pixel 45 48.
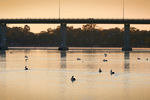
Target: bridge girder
pixel 75 21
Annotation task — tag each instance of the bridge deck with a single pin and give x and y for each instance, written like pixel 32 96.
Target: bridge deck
pixel 75 21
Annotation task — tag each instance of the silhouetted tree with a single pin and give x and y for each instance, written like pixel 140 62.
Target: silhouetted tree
pixel 88 36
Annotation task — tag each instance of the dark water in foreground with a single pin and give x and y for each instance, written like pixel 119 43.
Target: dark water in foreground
pixel 48 77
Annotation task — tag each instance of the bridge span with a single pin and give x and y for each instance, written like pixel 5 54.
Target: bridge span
pixel 75 21
pixel 64 22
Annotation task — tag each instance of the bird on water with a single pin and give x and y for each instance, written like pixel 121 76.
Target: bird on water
pixel 138 58
pixel 111 72
pixel 105 60
pixel 26 68
pixel 105 55
pixel 100 70
pixel 72 78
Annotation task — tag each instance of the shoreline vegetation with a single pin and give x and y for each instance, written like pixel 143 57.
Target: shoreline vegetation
pixel 87 36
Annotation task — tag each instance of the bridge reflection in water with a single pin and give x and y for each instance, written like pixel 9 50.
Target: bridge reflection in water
pixel 126 61
pixel 63 59
pixel 3 59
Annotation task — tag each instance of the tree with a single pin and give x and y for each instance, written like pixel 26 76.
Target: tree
pixel 50 30
pixel 26 28
pixel 89 27
pixel 88 36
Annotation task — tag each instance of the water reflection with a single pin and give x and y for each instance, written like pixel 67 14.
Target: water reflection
pixel 3 58
pixel 127 61
pixel 63 59
pixel 63 77
pixel 2 55
pixel 52 70
pixel 2 77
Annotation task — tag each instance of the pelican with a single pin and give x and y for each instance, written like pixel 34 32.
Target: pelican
pixel 138 58
pixel 105 60
pixel 72 78
pixel 26 56
pixel 78 59
pixel 26 59
pixel 111 72
pixel 105 55
pixel 100 70
pixel 26 68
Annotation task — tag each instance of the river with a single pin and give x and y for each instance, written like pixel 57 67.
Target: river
pixel 48 77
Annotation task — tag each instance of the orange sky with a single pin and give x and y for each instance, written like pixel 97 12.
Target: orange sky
pixel 74 9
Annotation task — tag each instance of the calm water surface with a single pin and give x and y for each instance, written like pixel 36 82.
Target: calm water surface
pixel 48 77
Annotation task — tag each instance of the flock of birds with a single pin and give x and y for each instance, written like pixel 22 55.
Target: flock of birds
pixel 100 71
pixel 26 58
pixel 73 78
pixel 111 72
pixel 140 58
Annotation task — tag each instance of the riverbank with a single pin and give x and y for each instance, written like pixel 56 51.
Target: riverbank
pixel 77 48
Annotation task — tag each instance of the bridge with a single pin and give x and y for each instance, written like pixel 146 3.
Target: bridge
pixel 64 22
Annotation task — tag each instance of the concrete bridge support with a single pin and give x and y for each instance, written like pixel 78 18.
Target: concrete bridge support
pixel 127 38
pixel 3 30
pixel 63 37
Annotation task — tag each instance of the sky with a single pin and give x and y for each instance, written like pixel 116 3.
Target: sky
pixel 75 9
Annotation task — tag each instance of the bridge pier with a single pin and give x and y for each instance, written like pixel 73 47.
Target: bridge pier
pixel 63 31
pixel 127 38
pixel 3 30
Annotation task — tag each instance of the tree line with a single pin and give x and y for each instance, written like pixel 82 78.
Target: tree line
pixel 87 36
